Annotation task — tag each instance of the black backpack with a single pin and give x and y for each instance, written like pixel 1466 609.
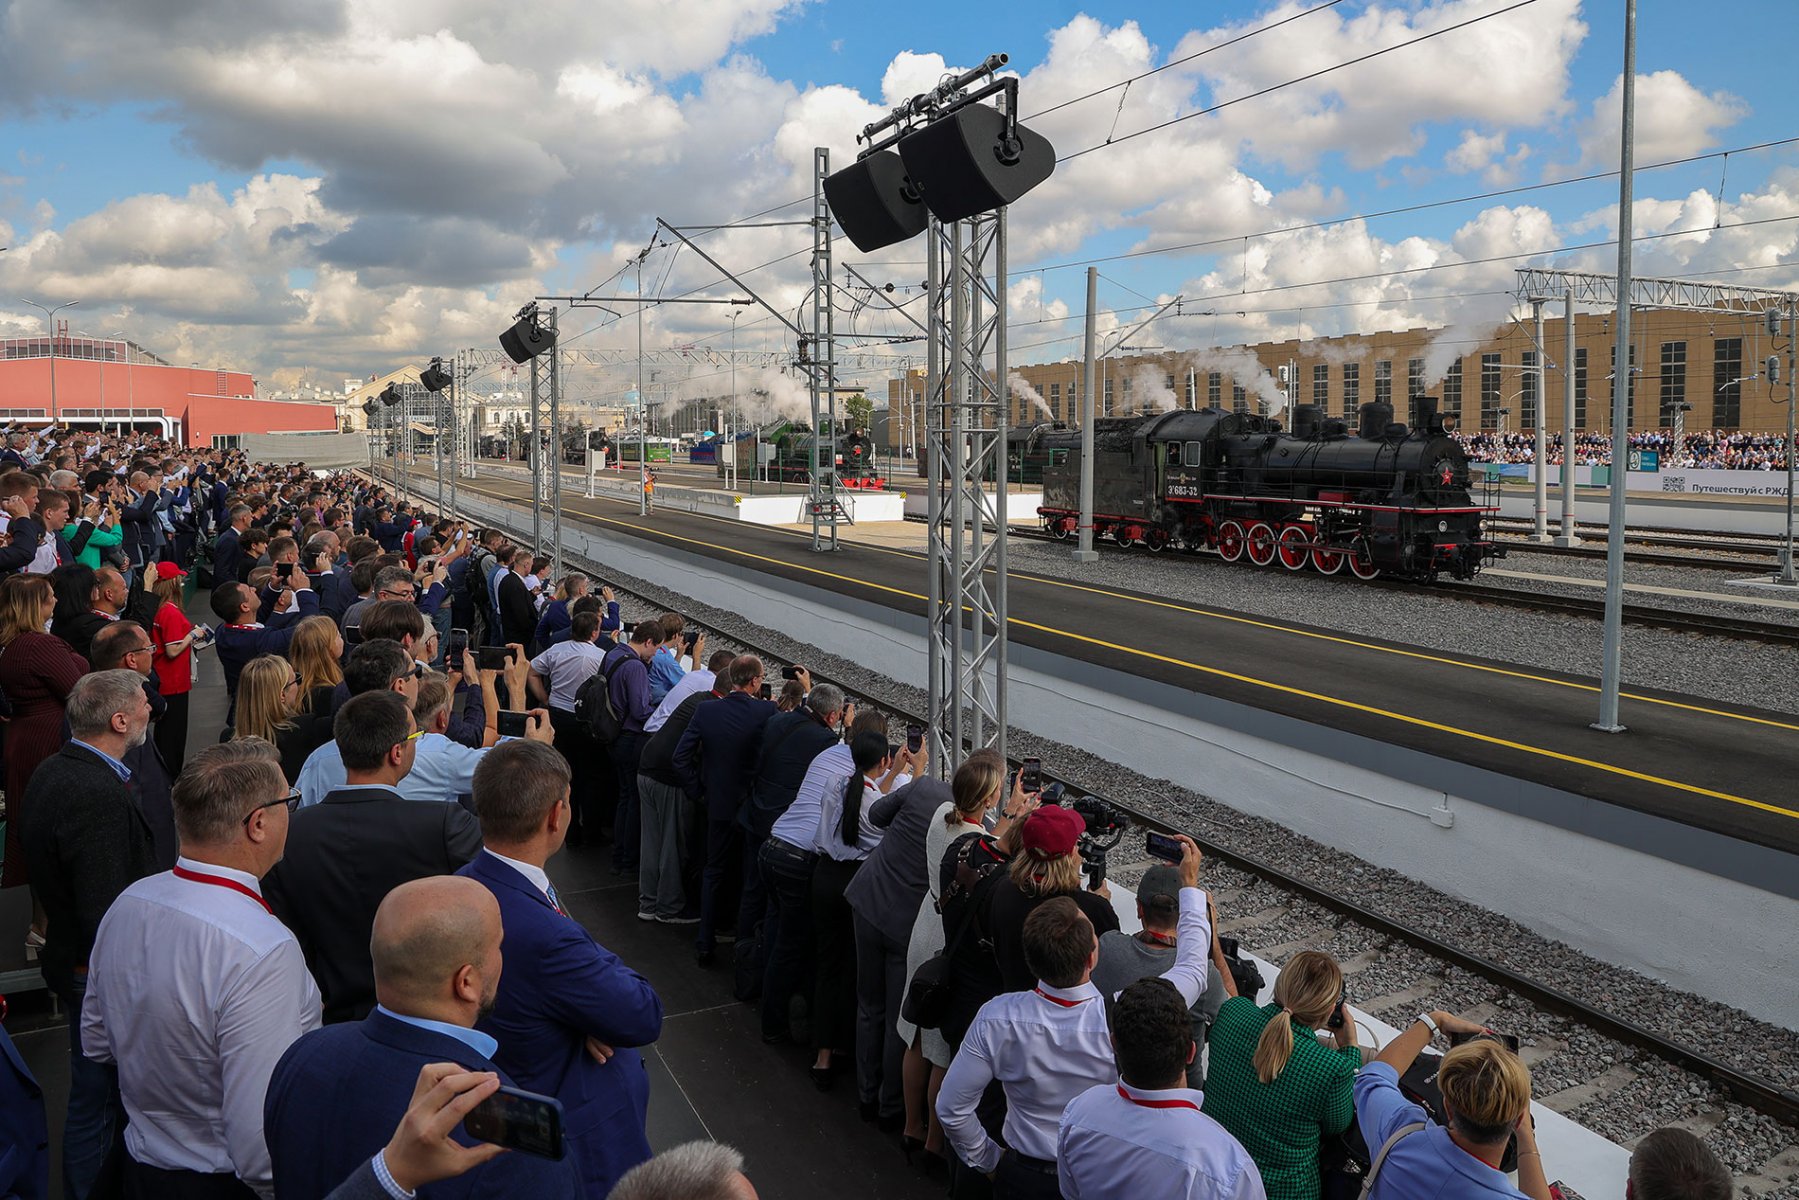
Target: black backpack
pixel 593 705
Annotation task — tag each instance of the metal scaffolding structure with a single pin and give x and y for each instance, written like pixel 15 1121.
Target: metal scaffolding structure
pixel 1602 290
pixel 546 442
pixel 965 446
pixel 822 500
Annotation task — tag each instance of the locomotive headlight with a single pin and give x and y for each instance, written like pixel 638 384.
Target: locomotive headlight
pixel 1442 526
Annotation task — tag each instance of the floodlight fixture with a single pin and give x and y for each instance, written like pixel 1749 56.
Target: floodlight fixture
pixel 528 337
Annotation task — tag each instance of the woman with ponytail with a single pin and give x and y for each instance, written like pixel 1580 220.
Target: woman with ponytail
pixel 1274 1085
pixel 844 838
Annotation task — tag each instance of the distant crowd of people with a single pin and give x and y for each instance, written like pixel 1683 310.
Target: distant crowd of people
pixel 1712 449
pixel 301 955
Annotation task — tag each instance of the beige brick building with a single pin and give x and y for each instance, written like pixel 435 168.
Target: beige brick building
pixel 1712 362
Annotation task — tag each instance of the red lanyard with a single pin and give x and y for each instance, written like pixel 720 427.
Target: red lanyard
pixel 1152 938
pixel 215 881
pixel 1157 1103
pixel 1057 1000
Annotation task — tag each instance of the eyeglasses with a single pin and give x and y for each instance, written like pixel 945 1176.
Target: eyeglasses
pixel 294 682
pixel 292 800
pixel 417 672
pixel 415 735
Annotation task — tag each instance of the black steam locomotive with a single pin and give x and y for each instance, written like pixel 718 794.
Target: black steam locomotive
pixel 1385 499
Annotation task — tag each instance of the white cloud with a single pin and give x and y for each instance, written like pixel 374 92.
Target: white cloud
pixel 1674 119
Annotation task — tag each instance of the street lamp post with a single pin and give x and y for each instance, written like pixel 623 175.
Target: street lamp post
pixel 50 320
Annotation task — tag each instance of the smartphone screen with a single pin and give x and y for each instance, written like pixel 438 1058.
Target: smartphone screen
pixel 915 738
pixel 518 1120
pixel 455 648
pixel 511 724
pixel 1509 1040
pixel 790 672
pixel 768 691
pixel 493 658
pixel 1031 775
pixel 1162 846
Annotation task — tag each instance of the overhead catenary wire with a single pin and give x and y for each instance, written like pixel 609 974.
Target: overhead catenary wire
pixel 1306 78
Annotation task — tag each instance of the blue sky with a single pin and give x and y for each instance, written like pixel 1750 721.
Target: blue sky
pixel 407 139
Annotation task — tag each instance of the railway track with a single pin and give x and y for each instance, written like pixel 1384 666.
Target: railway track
pixel 1741 629
pixel 1696 562
pixel 1335 917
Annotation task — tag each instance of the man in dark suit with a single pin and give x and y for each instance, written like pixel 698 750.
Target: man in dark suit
pixel 339 1091
pixel 347 852
pixel 240 637
pixel 106 601
pixel 228 550
pixel 518 615
pixel 125 645
pixel 24 1127
pixel 141 516
pixel 717 755
pixel 568 1009
pixel 85 842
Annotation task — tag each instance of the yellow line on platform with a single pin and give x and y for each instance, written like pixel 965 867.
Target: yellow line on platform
pixel 1288 689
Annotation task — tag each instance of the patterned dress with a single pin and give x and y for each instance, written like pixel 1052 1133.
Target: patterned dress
pixel 36 672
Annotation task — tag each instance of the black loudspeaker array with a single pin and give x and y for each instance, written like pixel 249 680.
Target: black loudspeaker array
pixel 875 203
pixel 526 339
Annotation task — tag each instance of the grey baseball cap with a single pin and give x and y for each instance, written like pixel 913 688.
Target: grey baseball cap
pixel 1160 888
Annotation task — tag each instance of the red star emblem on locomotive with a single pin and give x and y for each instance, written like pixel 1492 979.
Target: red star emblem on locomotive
pixel 1446 475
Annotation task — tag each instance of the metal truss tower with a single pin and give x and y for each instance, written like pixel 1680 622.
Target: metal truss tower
pixel 965 444
pixel 821 368
pixel 546 443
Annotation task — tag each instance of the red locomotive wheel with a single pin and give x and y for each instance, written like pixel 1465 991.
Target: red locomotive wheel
pixel 1328 562
pixel 1260 543
pixel 1361 563
pixel 1294 547
pixel 1158 540
pixel 1230 541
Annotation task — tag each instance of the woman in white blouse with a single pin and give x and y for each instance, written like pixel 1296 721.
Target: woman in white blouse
pixel 976 789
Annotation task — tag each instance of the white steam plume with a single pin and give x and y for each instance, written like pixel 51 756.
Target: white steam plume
pixel 1243 368
pixel 772 395
pixel 1152 393
pixel 1022 387
pixel 1473 324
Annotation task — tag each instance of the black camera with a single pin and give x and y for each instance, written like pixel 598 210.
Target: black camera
pixel 1105 825
pixel 1244 972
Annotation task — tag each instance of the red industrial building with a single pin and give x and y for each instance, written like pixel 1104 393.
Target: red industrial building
pixel 113 384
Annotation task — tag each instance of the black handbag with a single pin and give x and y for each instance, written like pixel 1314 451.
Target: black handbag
pixel 927 1000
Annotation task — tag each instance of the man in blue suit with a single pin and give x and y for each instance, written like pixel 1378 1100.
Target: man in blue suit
pixel 568 1010
pixel 339 1091
pixel 24 1133
pixel 716 758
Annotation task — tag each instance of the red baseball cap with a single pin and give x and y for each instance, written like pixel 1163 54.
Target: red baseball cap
pixel 1052 832
pixel 168 570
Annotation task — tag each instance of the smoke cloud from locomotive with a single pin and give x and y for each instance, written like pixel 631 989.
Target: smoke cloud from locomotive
pixel 1022 387
pixel 1242 367
pixel 772 395
pixel 1152 391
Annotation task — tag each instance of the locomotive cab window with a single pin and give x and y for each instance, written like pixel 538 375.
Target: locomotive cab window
pixel 1174 454
pixel 1193 459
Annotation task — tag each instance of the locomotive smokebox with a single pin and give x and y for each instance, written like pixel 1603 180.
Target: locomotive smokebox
pixel 1307 419
pixel 1375 417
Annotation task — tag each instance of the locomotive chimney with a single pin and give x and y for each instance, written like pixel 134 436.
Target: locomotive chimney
pixel 1306 418
pixel 1374 417
pixel 1429 419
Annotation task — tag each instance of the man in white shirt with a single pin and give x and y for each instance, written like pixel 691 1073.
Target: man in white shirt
pixel 1048 1045
pixel 195 989
pixel 555 679
pixel 1146 1135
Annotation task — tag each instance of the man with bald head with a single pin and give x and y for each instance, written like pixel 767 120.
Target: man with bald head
pixel 338 1092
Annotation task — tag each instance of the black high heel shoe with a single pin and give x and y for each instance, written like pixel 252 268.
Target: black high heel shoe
pixel 821 1077
pixel 910 1146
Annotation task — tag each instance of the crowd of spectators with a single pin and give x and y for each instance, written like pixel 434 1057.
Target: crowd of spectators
pixel 1712 449
pixel 294 959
